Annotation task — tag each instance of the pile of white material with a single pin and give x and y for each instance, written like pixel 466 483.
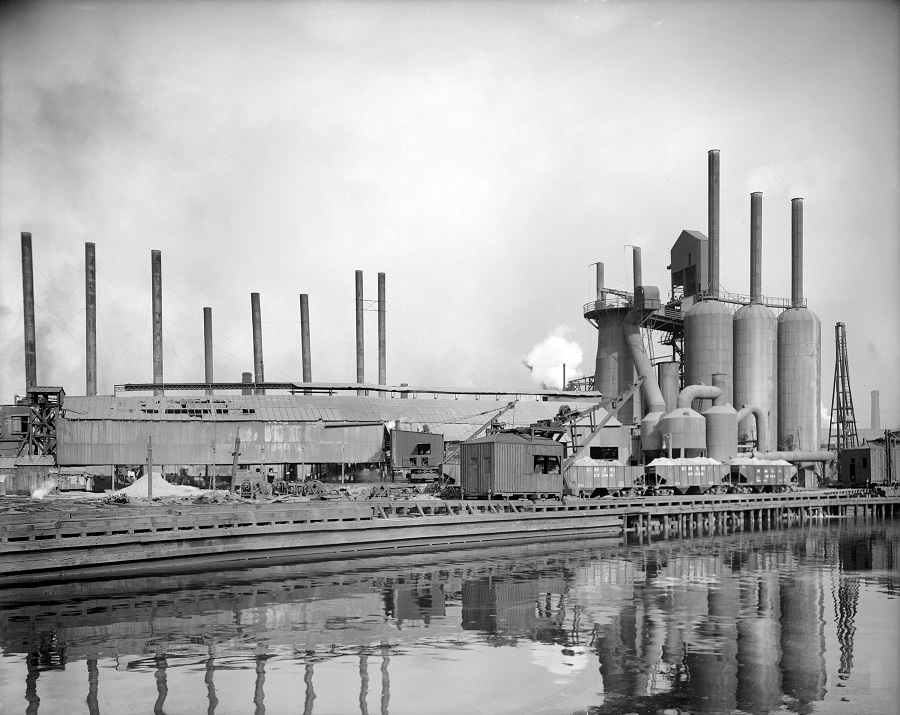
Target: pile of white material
pixel 588 462
pixel 754 460
pixel 661 461
pixel 161 488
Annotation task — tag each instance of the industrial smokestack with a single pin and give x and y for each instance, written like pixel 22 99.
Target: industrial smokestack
pixel 90 321
pixel 797 253
pixel 713 218
pixel 28 302
pixel 305 356
pixel 156 291
pixel 600 292
pixel 876 410
pixel 636 266
pixel 208 348
pixel 360 335
pixel 258 372
pixel 756 247
pixel 382 350
pixel 247 379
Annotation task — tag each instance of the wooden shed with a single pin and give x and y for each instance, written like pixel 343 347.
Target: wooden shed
pixel 510 465
pixel 22 475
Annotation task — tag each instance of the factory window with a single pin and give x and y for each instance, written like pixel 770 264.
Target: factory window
pixel 604 452
pixel 865 462
pixel 422 448
pixel 546 464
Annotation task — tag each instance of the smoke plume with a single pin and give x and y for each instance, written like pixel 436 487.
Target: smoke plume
pixel 547 358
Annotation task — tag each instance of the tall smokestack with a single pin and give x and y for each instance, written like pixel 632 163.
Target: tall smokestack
pixel 258 372
pixel 876 410
pixel 756 247
pixel 306 358
pixel 90 319
pixel 797 253
pixel 156 290
pixel 713 217
pixel 360 348
pixel 636 265
pixel 28 302
pixel 207 348
pixel 600 292
pixel 382 350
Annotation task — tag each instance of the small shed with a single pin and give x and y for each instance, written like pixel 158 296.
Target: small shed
pixel 416 451
pixel 22 475
pixel 508 464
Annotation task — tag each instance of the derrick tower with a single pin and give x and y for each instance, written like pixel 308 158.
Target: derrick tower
pixel 842 432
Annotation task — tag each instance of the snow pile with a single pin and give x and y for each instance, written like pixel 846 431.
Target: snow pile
pixel 161 488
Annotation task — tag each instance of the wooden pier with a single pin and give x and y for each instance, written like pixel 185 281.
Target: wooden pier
pixel 56 540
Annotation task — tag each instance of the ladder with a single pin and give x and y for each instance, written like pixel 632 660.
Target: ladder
pixel 842 432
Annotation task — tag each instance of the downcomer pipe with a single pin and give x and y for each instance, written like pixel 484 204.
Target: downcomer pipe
pixel 796 456
pixel 652 394
pixel 713 219
pixel 698 392
pixel 762 442
pixel 258 368
pixel 28 303
pixel 90 320
pixel 156 293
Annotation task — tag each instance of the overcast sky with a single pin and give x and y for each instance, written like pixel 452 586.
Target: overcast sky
pixel 480 154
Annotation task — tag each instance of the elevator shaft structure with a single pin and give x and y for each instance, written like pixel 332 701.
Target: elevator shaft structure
pixel 842 432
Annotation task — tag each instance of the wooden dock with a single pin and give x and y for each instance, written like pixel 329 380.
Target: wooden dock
pixel 57 540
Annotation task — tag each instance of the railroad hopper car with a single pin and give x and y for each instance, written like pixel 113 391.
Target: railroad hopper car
pixel 593 479
pixel 508 465
pixel 756 476
pixel 697 475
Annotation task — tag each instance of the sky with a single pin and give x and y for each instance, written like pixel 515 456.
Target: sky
pixel 483 155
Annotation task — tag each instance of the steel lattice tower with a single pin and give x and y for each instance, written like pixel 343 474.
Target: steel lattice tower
pixel 842 432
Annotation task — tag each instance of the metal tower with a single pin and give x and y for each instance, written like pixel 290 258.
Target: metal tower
pixel 842 432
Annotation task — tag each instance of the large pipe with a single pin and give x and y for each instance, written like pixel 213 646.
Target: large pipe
pixel 652 393
pixel 305 356
pixel 382 350
pixel 797 253
pixel 360 334
pixel 762 442
pixel 90 319
pixel 713 219
pixel 636 265
pixel 875 414
pixel 156 293
pixel 601 294
pixel 698 392
pixel 756 247
pixel 258 370
pixel 207 347
pixel 28 302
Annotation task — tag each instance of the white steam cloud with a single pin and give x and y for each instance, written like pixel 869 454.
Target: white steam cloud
pixel 547 358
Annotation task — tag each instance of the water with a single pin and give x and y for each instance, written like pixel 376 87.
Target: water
pixel 799 620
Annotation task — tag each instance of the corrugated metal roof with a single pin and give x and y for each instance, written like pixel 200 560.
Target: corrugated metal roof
pixel 33 460
pixel 441 415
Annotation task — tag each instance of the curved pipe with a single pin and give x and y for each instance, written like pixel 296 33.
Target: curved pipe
pixel 697 392
pixel 652 394
pixel 761 424
pixel 796 456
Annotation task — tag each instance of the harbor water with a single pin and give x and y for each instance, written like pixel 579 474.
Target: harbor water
pixel 800 619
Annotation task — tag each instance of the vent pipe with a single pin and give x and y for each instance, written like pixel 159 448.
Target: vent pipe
pixel 156 292
pixel 713 218
pixel 876 410
pixel 601 294
pixel 207 348
pixel 636 265
pixel 382 350
pixel 756 247
pixel 797 253
pixel 360 335
pixel 28 301
pixel 305 357
pixel 90 320
pixel 258 370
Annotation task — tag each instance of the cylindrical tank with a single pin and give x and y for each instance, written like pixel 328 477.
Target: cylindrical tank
pixel 721 432
pixel 799 379
pixel 684 429
pixel 756 366
pixel 708 343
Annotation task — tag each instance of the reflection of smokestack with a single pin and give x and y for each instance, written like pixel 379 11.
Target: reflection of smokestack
pixel 207 347
pixel 797 253
pixel 876 410
pixel 305 356
pixel 713 219
pixel 756 247
pixel 28 301
pixel 247 379
pixel 90 321
pixel 258 372
pixel 360 349
pixel 156 292
pixel 382 350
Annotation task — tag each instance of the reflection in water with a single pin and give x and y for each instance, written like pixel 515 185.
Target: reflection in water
pixel 755 622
